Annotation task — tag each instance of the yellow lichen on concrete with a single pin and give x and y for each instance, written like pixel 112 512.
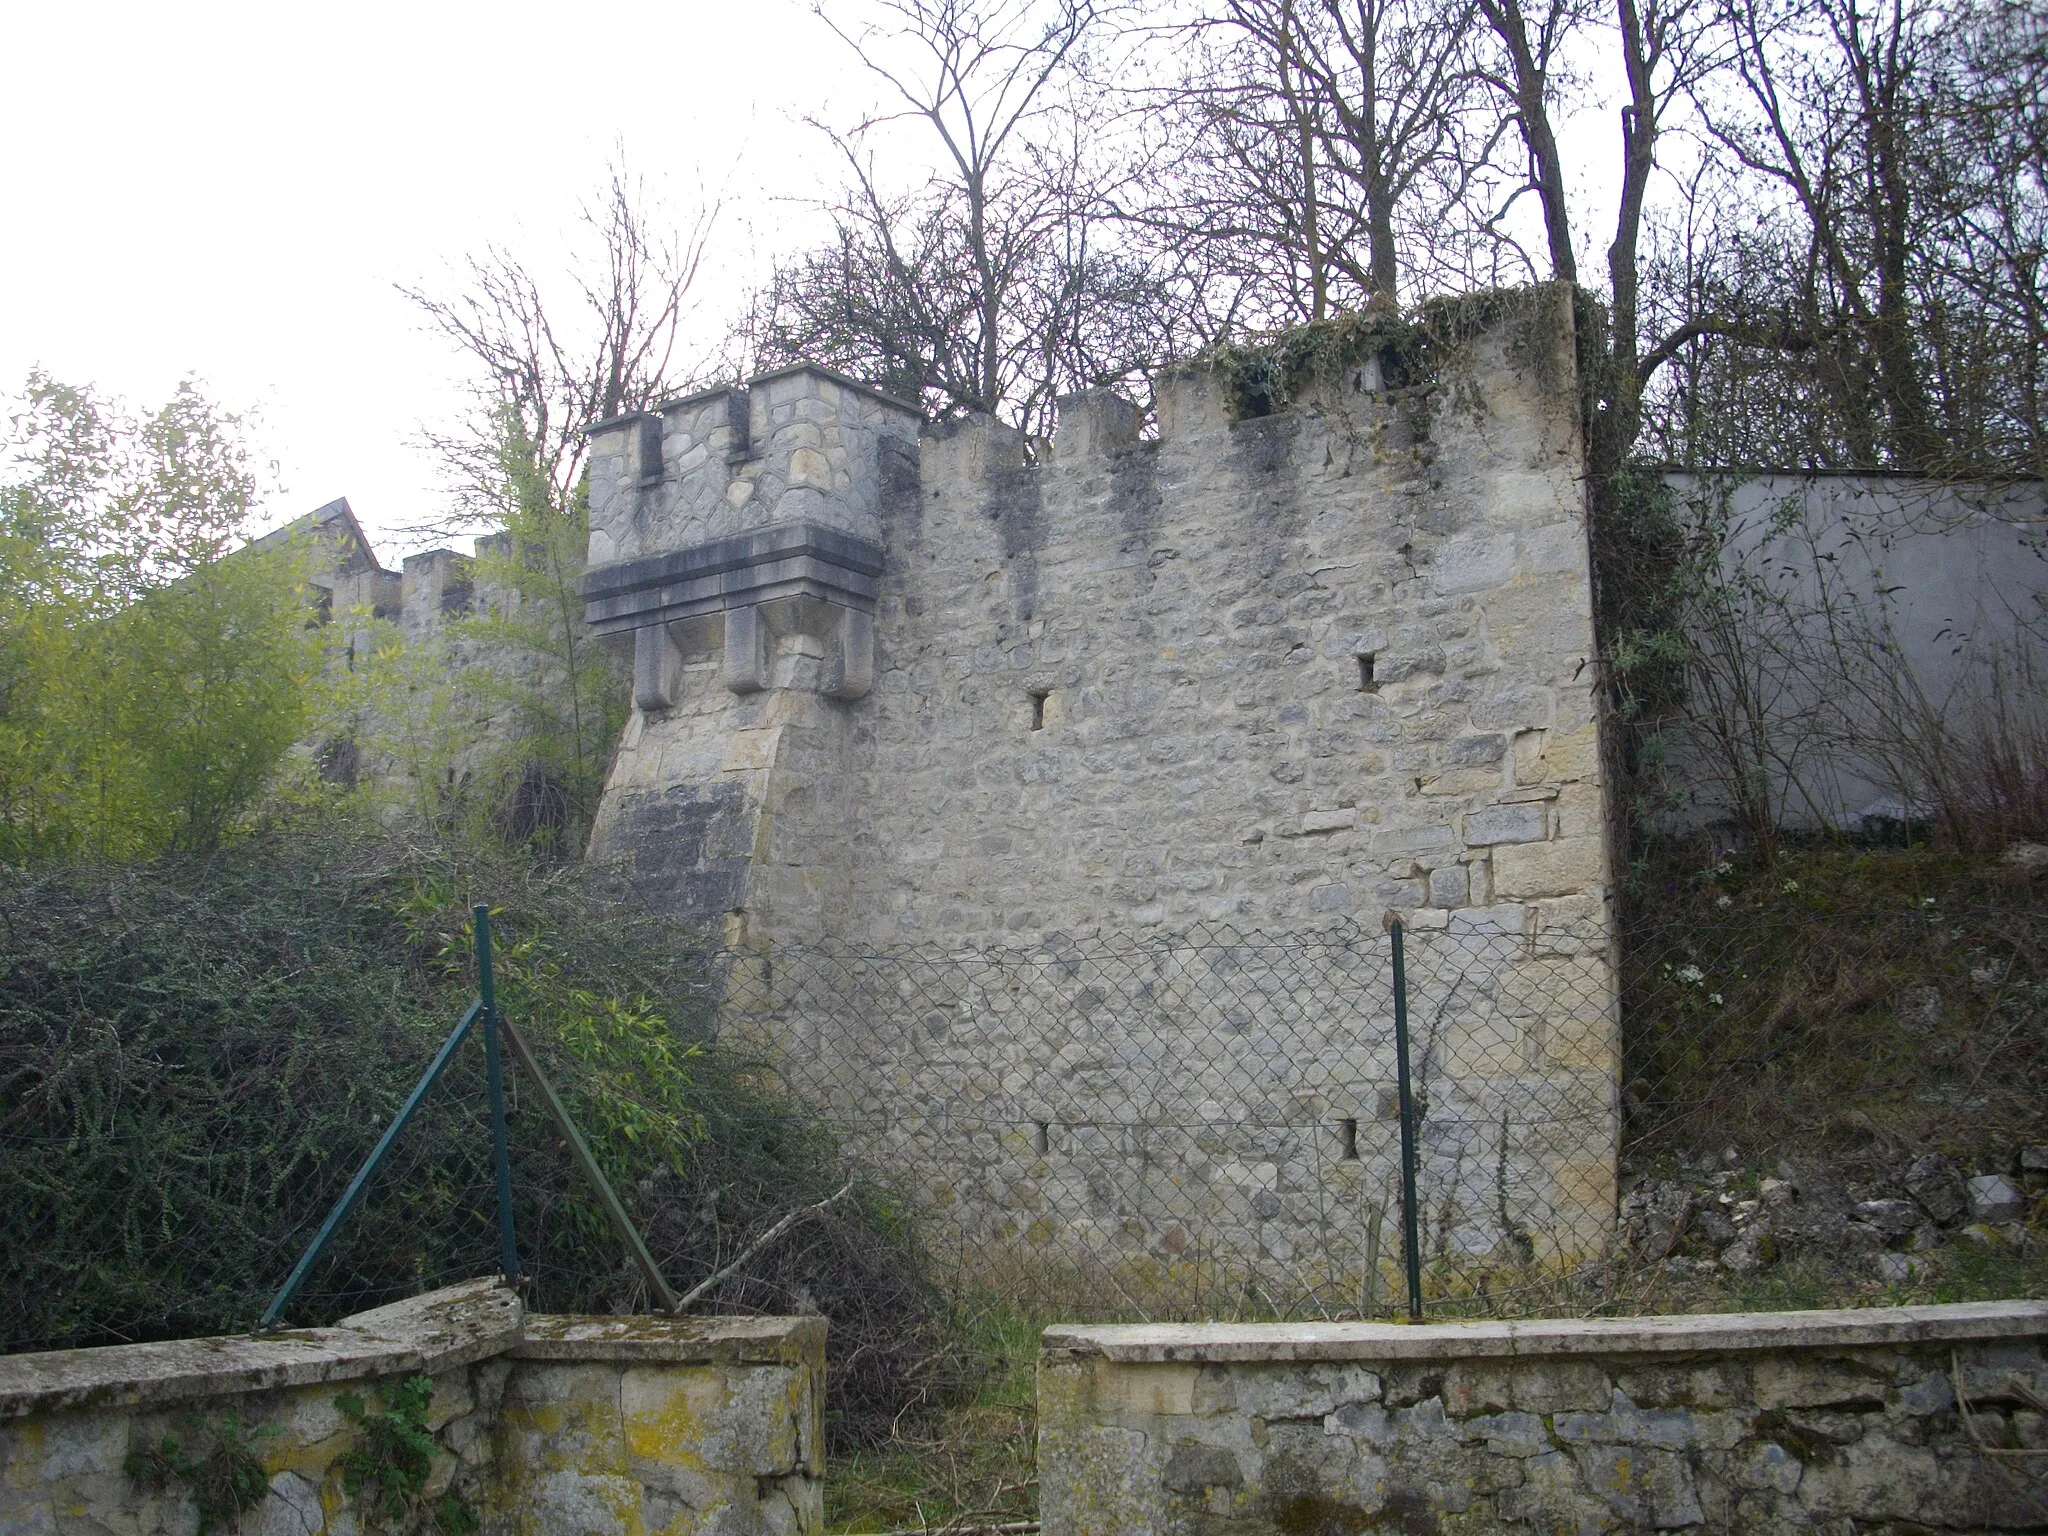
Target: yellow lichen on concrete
pixel 610 1427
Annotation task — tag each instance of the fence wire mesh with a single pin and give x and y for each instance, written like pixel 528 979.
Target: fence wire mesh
pixel 1206 1124
pixel 198 1218
pixel 1182 1126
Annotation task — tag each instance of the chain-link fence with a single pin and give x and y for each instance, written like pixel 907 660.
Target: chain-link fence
pixel 202 1245
pixel 1209 1123
pixel 1201 1124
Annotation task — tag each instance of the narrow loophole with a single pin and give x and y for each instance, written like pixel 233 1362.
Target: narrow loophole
pixel 1347 1133
pixel 1038 698
pixel 1041 1138
pixel 1365 677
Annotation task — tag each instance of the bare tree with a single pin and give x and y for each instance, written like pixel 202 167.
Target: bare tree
pixel 980 78
pixel 1665 49
pixel 1000 280
pixel 1873 254
pixel 547 365
pixel 1326 149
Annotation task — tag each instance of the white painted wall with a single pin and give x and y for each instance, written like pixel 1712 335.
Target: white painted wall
pixel 1827 568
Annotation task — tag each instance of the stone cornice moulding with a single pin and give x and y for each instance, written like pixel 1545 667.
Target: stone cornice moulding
pixel 793 559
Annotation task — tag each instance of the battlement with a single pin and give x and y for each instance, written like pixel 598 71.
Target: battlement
pixel 1363 608
pixel 932 687
pixel 800 445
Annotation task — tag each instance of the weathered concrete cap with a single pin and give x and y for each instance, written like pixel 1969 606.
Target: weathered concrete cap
pixel 679 1340
pixel 457 1325
pixel 429 1333
pixel 843 380
pixel 1250 1343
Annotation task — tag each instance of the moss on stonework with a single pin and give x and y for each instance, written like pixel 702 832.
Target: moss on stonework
pixel 1314 1515
pixel 1412 348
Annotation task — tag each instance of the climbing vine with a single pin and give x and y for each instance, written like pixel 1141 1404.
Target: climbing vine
pixel 226 1479
pixel 388 1471
pixel 1413 349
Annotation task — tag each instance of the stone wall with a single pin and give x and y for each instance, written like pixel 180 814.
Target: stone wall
pixel 542 1425
pixel 1115 710
pixel 1911 1418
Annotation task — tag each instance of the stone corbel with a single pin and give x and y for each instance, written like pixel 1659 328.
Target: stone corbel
pixel 849 670
pixel 657 669
pixel 749 650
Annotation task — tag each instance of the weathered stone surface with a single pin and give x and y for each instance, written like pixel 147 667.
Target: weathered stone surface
pixel 1935 1182
pixel 595 1425
pixel 429 1333
pixel 1995 1198
pixel 1306 1392
pixel 1506 824
pixel 1785 1423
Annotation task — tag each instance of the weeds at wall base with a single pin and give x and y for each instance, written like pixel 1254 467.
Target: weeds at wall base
pixel 226 1480
pixel 967 1460
pixel 387 1472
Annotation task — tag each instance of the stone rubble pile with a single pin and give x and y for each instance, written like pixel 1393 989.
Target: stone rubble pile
pixel 1723 1219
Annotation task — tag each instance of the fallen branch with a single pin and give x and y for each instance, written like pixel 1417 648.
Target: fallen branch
pixel 1014 1528
pixel 1969 1417
pixel 753 1248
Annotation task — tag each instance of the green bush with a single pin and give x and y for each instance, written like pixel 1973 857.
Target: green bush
pixel 196 1054
pixel 150 680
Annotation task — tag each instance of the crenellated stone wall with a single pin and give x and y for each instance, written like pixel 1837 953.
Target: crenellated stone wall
pixel 905 692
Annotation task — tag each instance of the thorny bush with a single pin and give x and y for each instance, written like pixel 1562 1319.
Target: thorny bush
pixel 195 1056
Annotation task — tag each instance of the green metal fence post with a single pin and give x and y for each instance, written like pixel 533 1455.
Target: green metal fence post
pixel 494 1070
pixel 1409 1225
pixel 363 1175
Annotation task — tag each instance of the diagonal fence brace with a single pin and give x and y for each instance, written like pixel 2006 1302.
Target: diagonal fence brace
pixel 361 1181
pixel 484 1008
pixel 580 1150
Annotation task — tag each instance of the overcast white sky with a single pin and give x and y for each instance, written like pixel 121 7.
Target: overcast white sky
pixel 232 191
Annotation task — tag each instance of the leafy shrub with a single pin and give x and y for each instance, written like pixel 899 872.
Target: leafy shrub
pixel 195 1055
pixel 150 681
pixel 226 1480
pixel 387 1472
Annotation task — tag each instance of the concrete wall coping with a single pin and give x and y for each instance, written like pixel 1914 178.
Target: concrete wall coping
pixel 439 1331
pixel 675 1340
pixel 1253 1343
pixel 435 1332
pixel 843 380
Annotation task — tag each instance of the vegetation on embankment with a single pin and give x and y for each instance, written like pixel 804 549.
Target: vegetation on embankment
pixel 1861 1003
pixel 195 1055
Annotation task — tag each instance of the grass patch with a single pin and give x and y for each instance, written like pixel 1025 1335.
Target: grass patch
pixel 1859 1005
pixel 960 1464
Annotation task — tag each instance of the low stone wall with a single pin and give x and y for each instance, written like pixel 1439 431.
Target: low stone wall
pixel 540 1426
pixel 1900 1418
